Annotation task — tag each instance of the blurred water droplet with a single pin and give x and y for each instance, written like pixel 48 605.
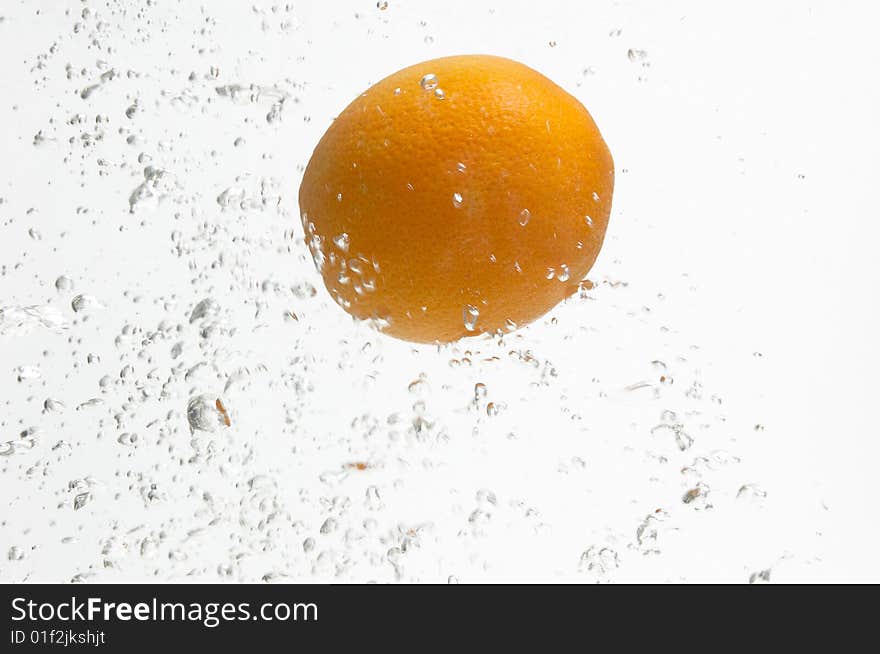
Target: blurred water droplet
pixel 207 308
pixel 564 274
pixel 470 314
pixel 760 577
pixel 81 500
pixel 599 560
pixel 203 414
pixel 26 373
pixel 751 492
pixel 342 242
pixel 494 408
pixel 683 440
pixel 83 303
pixel 53 405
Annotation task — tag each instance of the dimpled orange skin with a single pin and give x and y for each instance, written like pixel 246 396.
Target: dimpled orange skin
pixel 379 199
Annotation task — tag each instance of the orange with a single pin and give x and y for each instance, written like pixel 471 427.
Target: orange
pixel 459 196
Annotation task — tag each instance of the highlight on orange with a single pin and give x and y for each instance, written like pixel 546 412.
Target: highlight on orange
pixel 459 196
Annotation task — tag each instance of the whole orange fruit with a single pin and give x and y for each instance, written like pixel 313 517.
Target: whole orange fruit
pixel 459 196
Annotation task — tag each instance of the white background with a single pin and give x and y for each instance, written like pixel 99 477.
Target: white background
pixel 744 226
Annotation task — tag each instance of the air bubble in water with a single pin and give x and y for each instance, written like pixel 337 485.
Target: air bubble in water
pixel 470 314
pixel 53 405
pixel 207 308
pixel 203 412
pixel 26 373
pixel 563 275
pixel 342 241
pixel 84 303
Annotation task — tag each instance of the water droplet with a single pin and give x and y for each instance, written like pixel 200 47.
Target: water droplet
pixel 760 577
pixel 439 93
pixel 26 373
pixel 64 283
pixel 599 561
pixel 53 405
pixel 207 308
pixel 81 500
pixel 127 439
pixel 373 499
pixel 429 82
pixel 275 113
pixel 683 440
pixel 494 408
pixel 457 200
pixel 564 274
pixel 418 386
pixel 697 492
pixel 203 414
pixel 588 221
pixel 751 492
pixel 636 55
pixel 84 303
pixel 470 315
pixel 342 241
pixel 524 217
